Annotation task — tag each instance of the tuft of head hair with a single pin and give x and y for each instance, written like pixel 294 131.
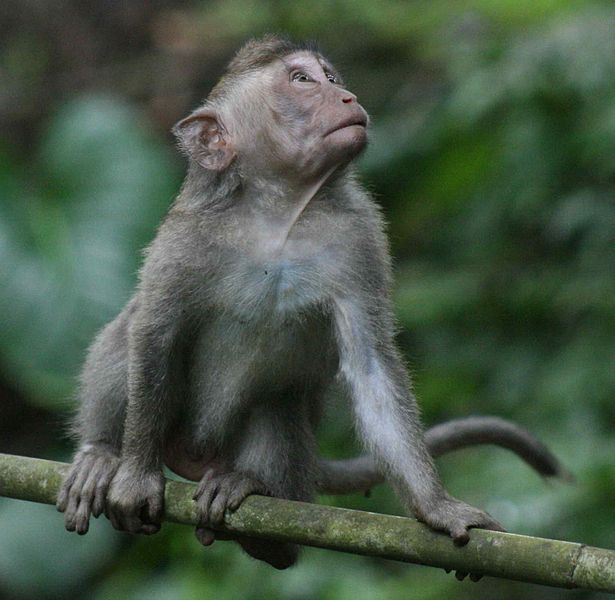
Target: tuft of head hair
pixel 260 52
pixel 257 53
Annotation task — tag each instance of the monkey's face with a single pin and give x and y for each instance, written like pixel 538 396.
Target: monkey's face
pixel 292 120
pixel 305 122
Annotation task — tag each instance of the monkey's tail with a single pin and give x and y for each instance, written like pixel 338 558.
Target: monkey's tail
pixel 362 473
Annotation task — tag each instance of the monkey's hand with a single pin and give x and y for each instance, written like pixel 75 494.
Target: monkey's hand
pixel 136 499
pixel 85 487
pixel 456 517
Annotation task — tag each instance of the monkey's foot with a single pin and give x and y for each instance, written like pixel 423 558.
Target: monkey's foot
pixel 84 489
pixel 217 492
pixel 456 517
pixel 220 491
pixel 278 554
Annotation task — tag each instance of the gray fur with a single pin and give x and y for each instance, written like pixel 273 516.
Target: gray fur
pixel 269 278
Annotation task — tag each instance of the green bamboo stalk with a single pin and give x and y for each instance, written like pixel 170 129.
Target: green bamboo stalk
pixel 523 558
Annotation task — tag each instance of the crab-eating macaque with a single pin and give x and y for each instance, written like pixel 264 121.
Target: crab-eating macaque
pixel 269 279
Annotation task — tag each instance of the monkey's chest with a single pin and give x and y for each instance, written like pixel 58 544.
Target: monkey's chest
pixel 290 285
pixel 280 286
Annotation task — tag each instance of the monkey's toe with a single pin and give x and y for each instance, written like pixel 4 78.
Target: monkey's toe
pixel 206 536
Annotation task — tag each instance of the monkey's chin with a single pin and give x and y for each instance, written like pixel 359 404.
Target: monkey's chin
pixel 348 142
pixel 356 130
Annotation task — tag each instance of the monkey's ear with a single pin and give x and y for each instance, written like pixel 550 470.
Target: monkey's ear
pixel 203 138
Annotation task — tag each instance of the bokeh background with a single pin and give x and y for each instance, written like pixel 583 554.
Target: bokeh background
pixel 493 154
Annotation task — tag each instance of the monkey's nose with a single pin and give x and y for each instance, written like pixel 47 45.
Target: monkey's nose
pixel 347 99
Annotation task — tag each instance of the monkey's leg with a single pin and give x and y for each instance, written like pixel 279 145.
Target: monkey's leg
pixel 388 419
pixel 276 458
pixel 98 425
pixel 158 339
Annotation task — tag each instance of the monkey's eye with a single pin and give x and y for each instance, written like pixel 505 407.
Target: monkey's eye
pixel 332 78
pixel 300 77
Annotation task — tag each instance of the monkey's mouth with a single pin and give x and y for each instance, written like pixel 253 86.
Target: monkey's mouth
pixel 350 122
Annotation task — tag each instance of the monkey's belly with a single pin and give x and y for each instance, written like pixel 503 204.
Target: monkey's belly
pixel 183 457
pixel 238 363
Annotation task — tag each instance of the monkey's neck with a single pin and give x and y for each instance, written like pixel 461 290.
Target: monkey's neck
pixel 304 198
pixel 289 204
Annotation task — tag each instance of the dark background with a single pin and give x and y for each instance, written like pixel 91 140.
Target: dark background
pixel 493 154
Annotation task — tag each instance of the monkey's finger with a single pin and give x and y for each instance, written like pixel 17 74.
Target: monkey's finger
pixel 71 511
pixel 460 575
pixel 100 492
pixel 73 483
pixel 131 523
pixel 476 576
pixel 62 500
pixel 63 494
pixel 206 536
pixel 154 508
pixel 122 517
pixel 89 485
pixel 101 485
pixel 80 478
pixel 82 517
pixel 115 522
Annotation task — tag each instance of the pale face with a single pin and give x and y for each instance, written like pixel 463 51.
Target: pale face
pixel 305 123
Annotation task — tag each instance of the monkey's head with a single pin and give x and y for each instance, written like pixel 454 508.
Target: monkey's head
pixel 281 109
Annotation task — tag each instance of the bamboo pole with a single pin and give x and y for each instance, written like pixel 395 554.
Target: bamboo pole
pixel 523 558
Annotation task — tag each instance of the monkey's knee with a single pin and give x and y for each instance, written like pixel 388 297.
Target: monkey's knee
pixel 279 555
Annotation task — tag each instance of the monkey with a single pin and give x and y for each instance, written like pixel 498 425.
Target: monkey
pixel 268 282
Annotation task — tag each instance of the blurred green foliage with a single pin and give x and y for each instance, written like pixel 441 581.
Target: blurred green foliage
pixel 493 154
pixel 71 235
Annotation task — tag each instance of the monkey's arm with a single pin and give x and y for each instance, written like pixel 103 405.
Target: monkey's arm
pixel 362 473
pixel 387 415
pixel 135 498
